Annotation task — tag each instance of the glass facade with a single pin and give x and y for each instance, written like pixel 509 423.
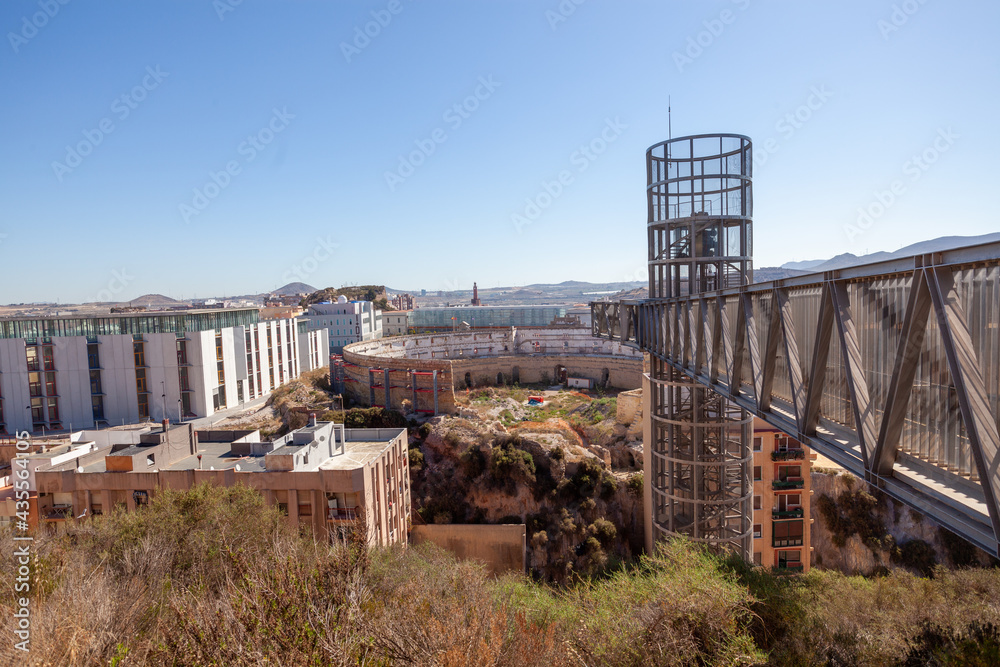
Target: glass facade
pixel 486 316
pixel 177 322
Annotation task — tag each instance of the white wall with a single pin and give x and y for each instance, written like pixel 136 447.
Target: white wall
pixel 73 381
pixel 14 385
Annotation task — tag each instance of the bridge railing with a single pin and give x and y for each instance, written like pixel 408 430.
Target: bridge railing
pixel 890 369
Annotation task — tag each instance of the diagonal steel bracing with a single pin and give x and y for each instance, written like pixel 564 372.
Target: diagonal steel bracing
pixel 876 367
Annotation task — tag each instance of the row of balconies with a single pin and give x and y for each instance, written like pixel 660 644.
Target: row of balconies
pixel 788 455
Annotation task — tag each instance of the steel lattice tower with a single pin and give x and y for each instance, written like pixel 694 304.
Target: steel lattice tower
pixel 699 198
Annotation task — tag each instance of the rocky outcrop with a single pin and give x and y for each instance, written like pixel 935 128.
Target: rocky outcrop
pixel 579 517
pixel 875 532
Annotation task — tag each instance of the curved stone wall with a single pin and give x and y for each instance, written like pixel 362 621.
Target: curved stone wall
pixel 422 367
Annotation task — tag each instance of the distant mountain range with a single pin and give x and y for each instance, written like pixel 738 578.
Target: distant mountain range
pixel 152 300
pixel 294 288
pixel 848 259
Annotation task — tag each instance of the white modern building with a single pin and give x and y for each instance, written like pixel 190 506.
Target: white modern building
pixel 345 321
pixel 62 373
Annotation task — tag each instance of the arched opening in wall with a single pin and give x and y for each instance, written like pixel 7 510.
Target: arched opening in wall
pixel 499 379
pixel 515 375
pixel 605 376
pixel 560 374
pixel 468 380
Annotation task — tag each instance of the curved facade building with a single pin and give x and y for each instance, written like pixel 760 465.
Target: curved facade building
pixel 426 370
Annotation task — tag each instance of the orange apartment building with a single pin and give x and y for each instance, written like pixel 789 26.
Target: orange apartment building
pixel 322 476
pixel 781 500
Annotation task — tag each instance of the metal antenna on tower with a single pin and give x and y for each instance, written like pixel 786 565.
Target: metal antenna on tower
pixel 670 134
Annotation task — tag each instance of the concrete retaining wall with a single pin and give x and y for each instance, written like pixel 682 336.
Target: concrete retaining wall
pixel 500 547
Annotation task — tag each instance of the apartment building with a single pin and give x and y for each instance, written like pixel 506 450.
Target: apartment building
pixel 72 373
pixel 781 500
pixel 322 475
pixel 395 323
pixel 345 321
pixel 402 302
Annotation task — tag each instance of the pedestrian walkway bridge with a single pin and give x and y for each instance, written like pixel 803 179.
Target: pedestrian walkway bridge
pixel 892 370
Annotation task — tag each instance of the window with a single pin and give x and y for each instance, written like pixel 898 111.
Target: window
pixel 756 502
pixel 182 354
pixel 789 559
pixel 757 558
pixel 781 443
pixel 143 406
pixel 37 411
pixel 758 443
pixel 97 407
pixel 48 359
pixel 756 473
pixel 219 398
pixel 32 354
pixel 53 410
pixel 756 530
pixel 182 375
pixel 34 384
pixel 786 472
pixel 95 382
pixel 141 498
pixel 50 384
pixel 140 380
pixel 139 352
pixel 786 534
pixel 93 356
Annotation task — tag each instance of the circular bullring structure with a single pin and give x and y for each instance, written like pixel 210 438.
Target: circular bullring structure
pixel 427 369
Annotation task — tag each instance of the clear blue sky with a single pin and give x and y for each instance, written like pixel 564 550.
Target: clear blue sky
pixel 113 221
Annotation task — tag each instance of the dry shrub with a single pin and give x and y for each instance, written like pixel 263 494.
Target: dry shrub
pixel 213 576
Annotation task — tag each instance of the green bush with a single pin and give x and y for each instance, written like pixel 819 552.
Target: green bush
pixel 604 531
pixel 853 513
pixel 557 454
pixel 335 416
pixel 424 431
pixel 917 555
pixel 634 484
pixel 587 478
pixel 472 462
pixel 960 552
pixel 416 458
pixel 374 418
pixel 510 466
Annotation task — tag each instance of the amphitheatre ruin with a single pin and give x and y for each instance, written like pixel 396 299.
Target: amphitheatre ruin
pixel 421 373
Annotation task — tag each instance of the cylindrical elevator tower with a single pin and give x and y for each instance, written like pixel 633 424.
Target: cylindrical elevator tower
pixel 699 199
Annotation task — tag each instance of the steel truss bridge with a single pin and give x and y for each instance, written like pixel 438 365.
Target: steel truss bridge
pixel 891 370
